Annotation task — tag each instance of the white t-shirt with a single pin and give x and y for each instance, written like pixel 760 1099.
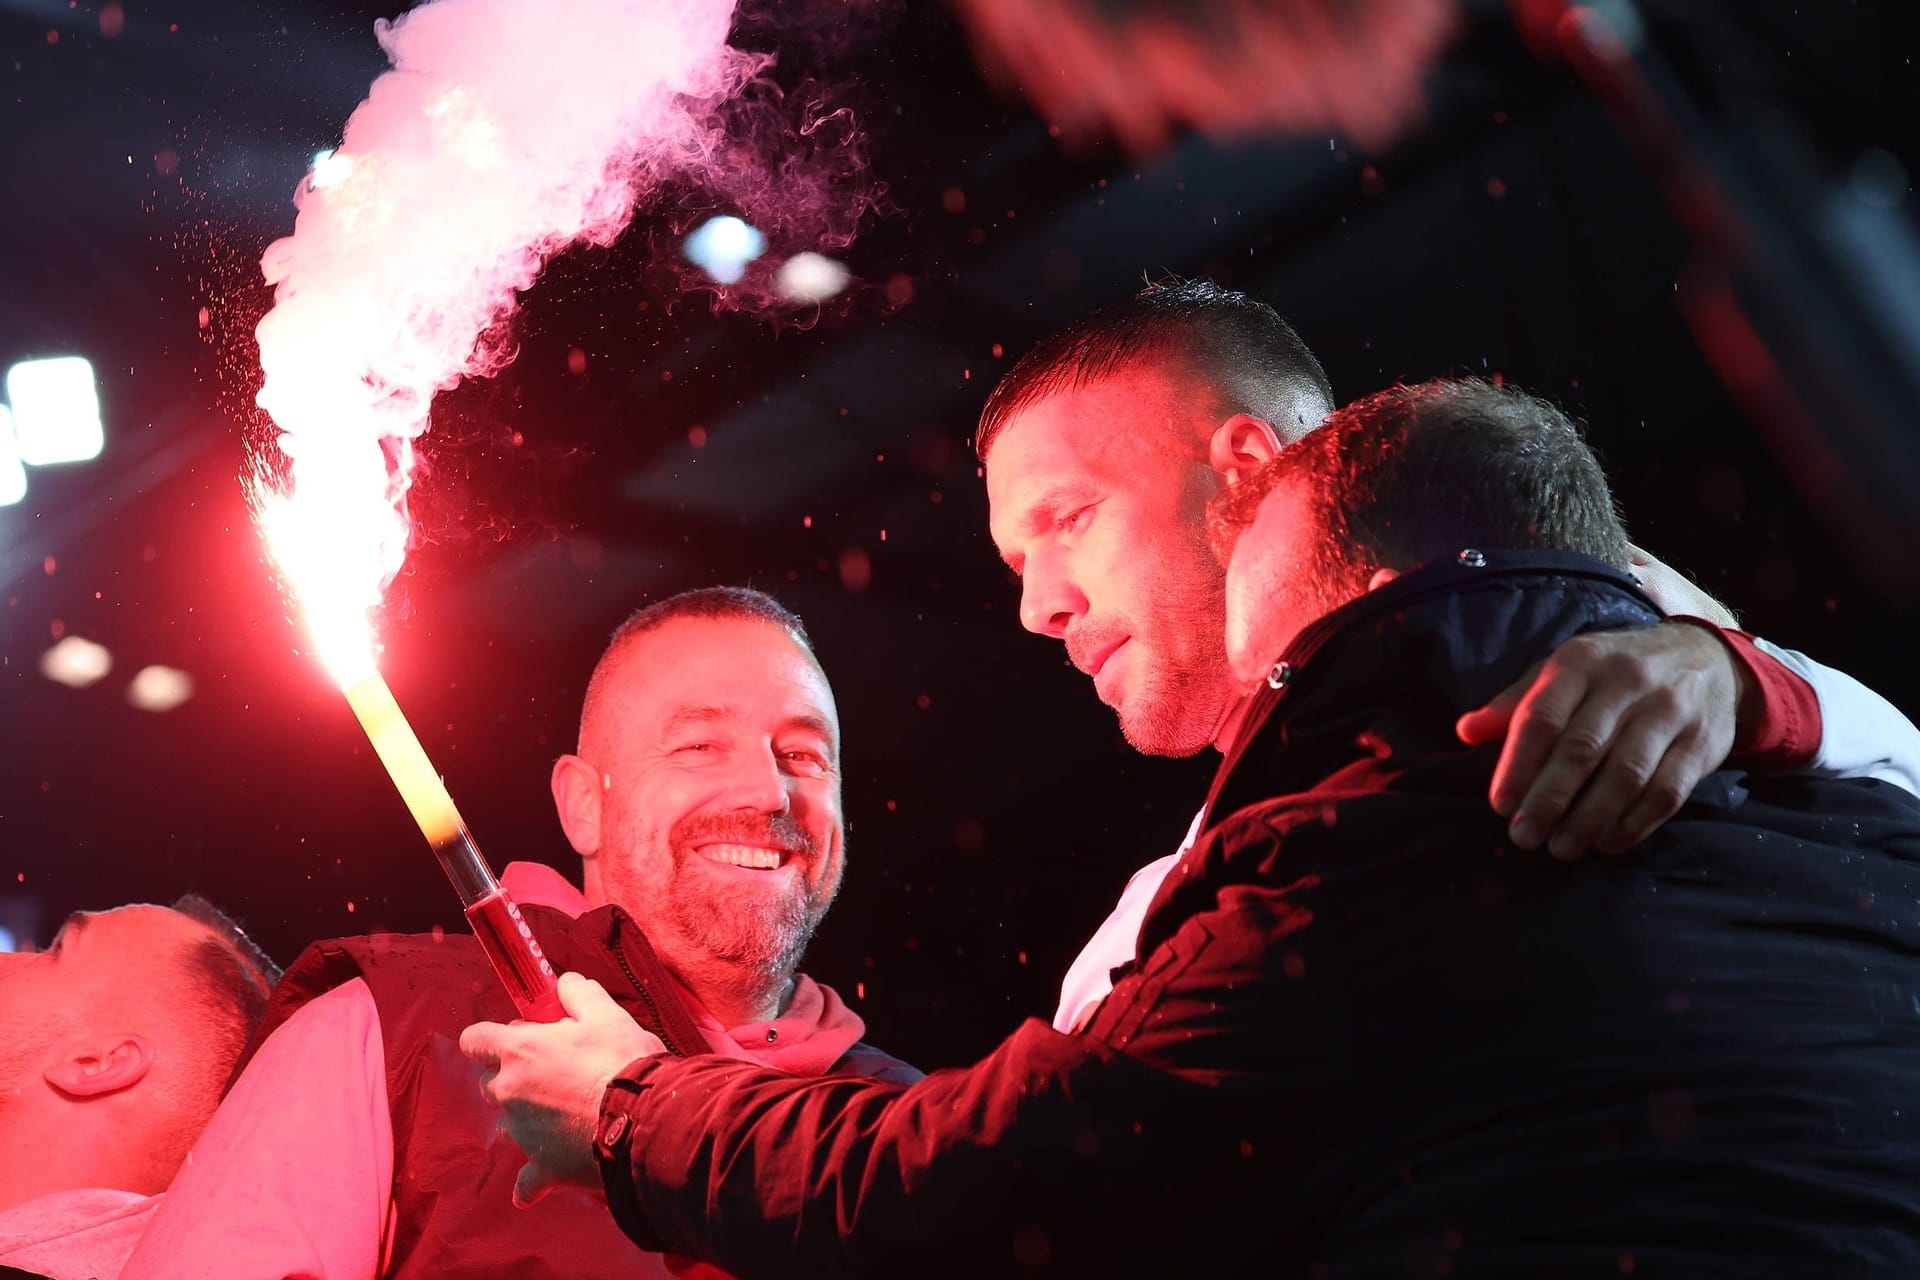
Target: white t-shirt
pixel 1089 978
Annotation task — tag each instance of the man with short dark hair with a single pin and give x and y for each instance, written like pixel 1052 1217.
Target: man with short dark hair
pixel 704 802
pixel 1364 1037
pixel 115 1046
pixel 1396 479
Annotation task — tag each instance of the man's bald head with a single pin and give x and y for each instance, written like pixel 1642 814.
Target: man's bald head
pixel 598 732
pixel 116 1044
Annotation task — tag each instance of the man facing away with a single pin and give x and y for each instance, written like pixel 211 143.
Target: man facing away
pixel 115 1045
pixel 1366 1035
pixel 705 804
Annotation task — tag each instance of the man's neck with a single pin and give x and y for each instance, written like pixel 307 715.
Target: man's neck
pixel 49 1154
pixel 1231 723
pixel 719 988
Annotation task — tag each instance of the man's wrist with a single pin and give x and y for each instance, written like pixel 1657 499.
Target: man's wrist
pixel 1777 716
pixel 614 1130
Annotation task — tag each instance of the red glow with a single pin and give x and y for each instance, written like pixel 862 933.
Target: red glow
pixel 336 536
pixel 523 968
pixel 1230 68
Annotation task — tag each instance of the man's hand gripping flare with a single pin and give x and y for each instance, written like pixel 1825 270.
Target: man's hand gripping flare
pixel 547 1079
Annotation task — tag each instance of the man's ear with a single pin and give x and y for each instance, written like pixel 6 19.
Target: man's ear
pixel 576 798
pixel 1242 445
pixel 1381 577
pixel 92 1068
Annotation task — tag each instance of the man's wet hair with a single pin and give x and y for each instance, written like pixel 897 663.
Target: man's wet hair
pixel 1418 472
pixel 229 981
pixel 1240 349
pixel 742 604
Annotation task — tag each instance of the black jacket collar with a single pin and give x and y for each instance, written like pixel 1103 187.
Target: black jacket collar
pixel 1396 667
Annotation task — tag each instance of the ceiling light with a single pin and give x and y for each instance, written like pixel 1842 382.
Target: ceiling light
pixel 75 662
pixel 56 410
pixel 13 476
pixel 722 247
pixel 330 169
pixel 810 277
pixel 160 688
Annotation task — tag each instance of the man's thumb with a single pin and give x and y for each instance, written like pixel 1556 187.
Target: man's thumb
pixel 531 1184
pixel 581 996
pixel 1489 723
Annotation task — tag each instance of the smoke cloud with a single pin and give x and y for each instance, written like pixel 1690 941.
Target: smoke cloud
pixel 505 132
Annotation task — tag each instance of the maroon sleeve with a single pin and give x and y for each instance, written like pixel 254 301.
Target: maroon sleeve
pixel 1048 1154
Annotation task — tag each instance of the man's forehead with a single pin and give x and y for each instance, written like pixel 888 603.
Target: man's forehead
pixel 139 926
pixel 722 663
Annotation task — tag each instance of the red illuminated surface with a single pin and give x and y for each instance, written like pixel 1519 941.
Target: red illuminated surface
pixel 1139 70
pixel 509 943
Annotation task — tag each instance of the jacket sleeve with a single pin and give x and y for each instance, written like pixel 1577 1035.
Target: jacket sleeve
pixel 1179 1106
pixel 293 1176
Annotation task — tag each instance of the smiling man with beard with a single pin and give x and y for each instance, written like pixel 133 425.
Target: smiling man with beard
pixel 704 802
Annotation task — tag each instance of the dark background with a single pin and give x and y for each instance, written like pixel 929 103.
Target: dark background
pixel 995 812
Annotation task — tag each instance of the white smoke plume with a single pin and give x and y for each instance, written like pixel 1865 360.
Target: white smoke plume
pixel 506 131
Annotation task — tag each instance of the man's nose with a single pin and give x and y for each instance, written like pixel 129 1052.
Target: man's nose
pixel 1049 600
pixel 759 783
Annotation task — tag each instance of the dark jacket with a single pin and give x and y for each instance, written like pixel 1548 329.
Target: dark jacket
pixel 453 1173
pixel 1368 1037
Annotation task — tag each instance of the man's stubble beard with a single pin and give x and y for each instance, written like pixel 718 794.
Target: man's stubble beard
pixel 1181 706
pixel 760 936
pixel 20 1055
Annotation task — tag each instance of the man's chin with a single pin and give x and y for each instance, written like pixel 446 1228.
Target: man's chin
pixel 1165 724
pixel 1170 737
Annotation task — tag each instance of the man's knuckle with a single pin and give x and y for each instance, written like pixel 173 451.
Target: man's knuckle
pixel 1552 800
pixel 1580 651
pixel 1667 794
pixel 1581 746
pixel 1634 770
pixel 1665 700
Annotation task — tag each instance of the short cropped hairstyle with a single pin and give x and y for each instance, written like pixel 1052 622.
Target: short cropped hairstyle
pixel 736 603
pixel 1240 349
pixel 229 979
pixel 1414 473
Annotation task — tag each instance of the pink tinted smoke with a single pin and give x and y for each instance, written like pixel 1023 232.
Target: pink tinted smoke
pixel 506 131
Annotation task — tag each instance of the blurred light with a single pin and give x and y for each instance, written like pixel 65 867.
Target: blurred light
pixel 13 476
pixel 7 940
pixel 330 168
pixel 810 277
pixel 722 247
pixel 56 410
pixel 160 688
pixel 75 662
pixel 1879 179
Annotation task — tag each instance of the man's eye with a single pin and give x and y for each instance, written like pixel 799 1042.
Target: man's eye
pixel 808 761
pixel 1075 520
pixel 697 747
